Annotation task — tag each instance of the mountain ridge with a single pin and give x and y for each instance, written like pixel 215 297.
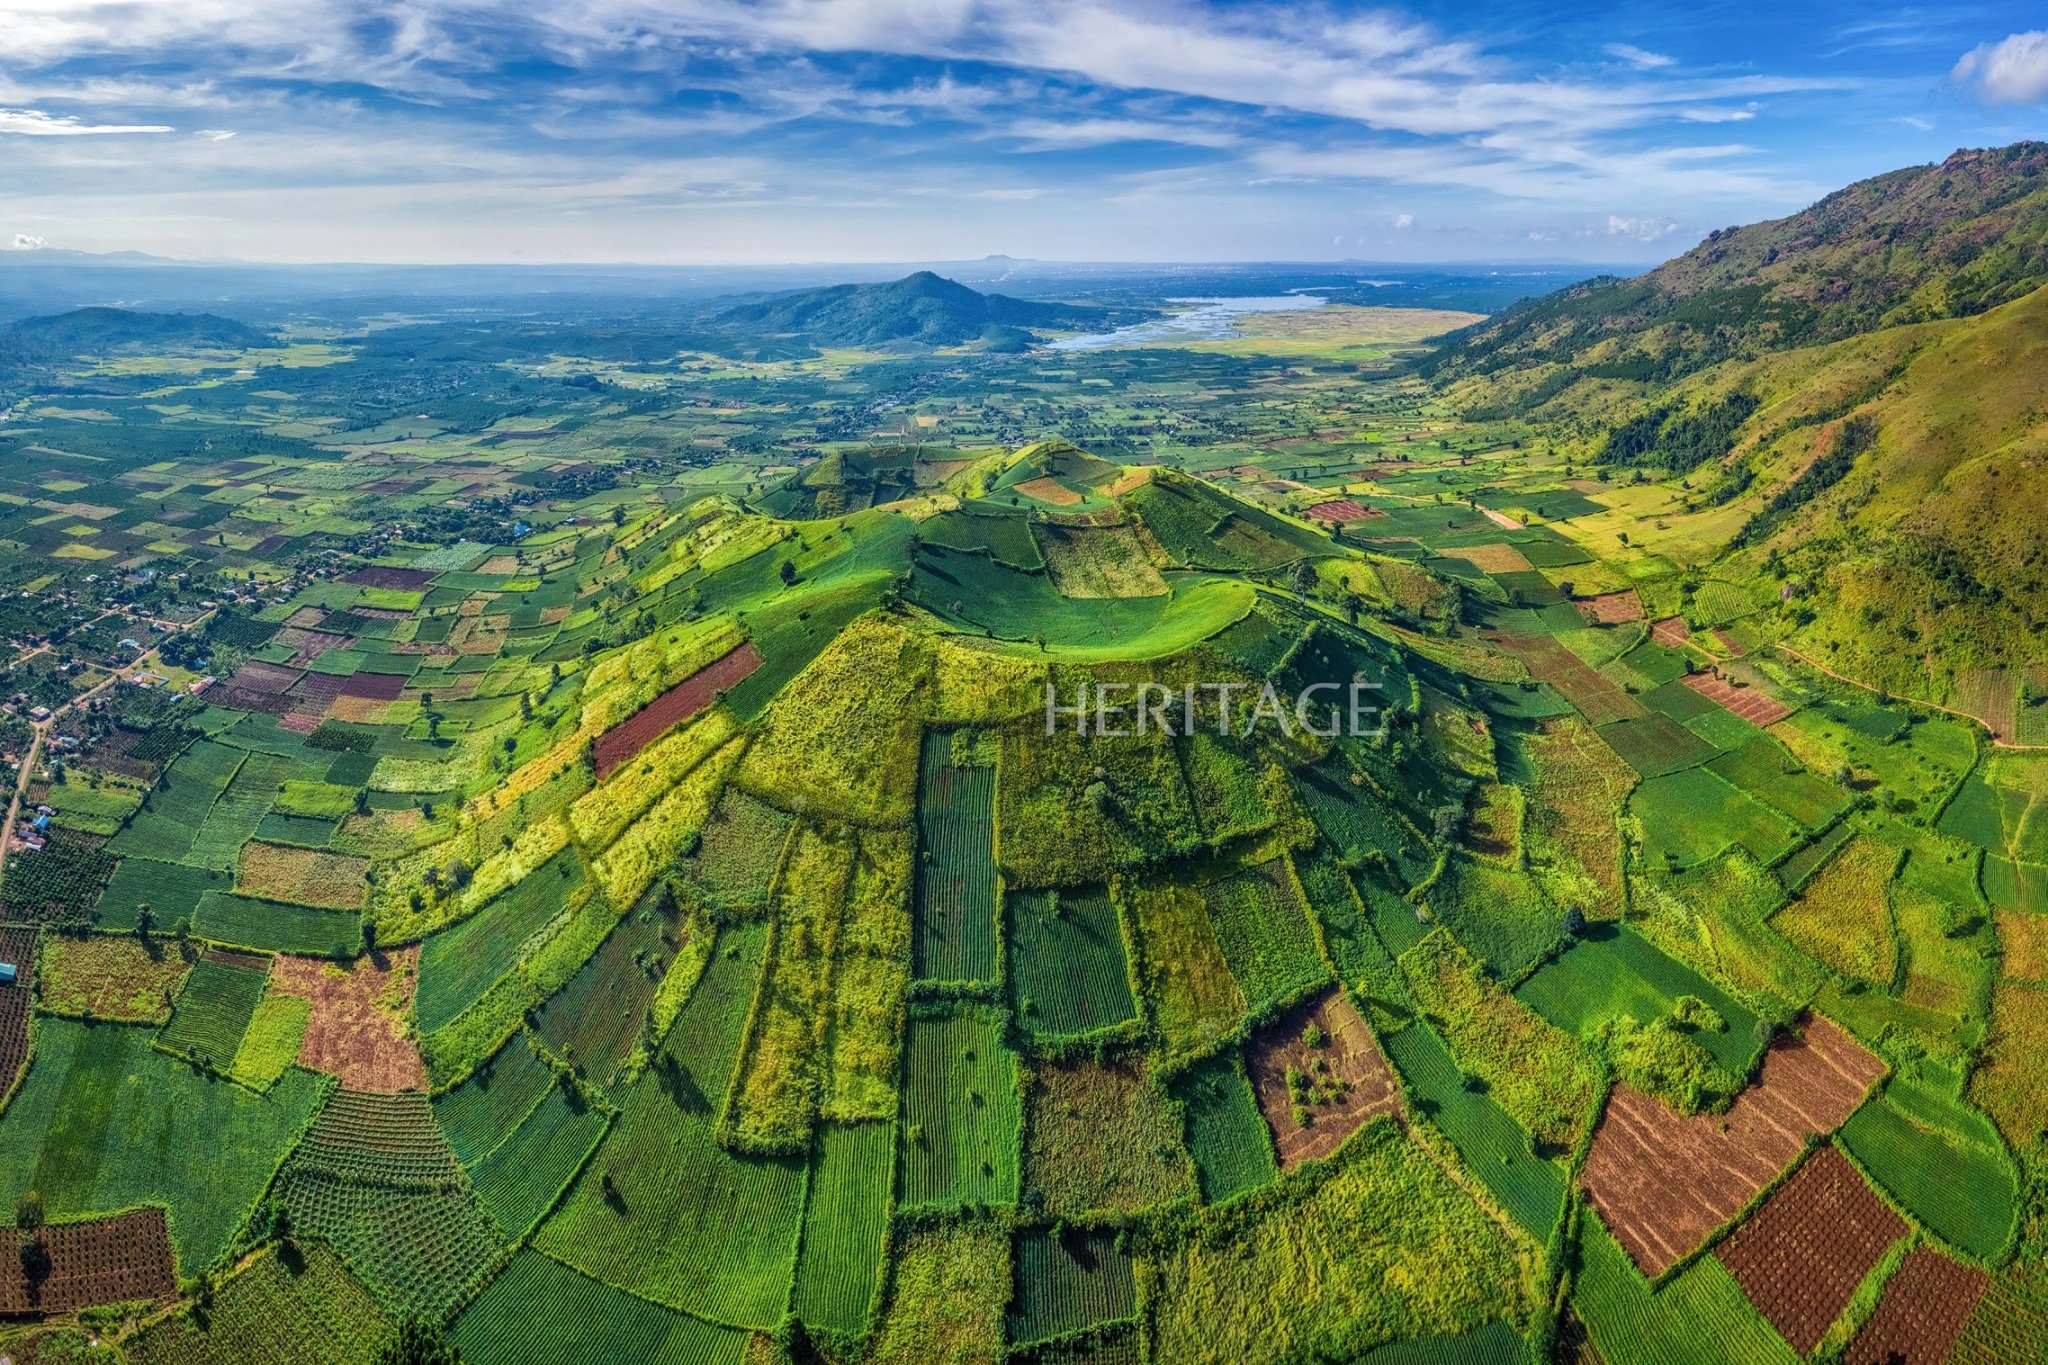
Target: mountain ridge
pixel 1949 239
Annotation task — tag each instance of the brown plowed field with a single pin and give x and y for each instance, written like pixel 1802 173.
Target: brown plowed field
pixel 1801 1256
pixel 375 686
pixel 1664 1182
pixel 123 1259
pixel 1612 608
pixel 617 745
pixel 1340 511
pixel 400 580
pixel 257 676
pixel 1595 698
pixel 1501 558
pixel 1050 490
pixel 356 1029
pixel 1671 631
pixel 1921 1314
pixel 1355 1077
pixel 1747 702
pixel 19 947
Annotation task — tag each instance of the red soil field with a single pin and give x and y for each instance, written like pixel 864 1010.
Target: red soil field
pixel 1350 1055
pixel 257 676
pixel 375 686
pixel 400 580
pixel 1664 1182
pixel 123 1259
pixel 1671 631
pixel 1801 1256
pixel 1341 511
pixel 618 745
pixel 1612 608
pixel 19 947
pixel 1733 646
pixel 1747 702
pixel 1921 1313
pixel 356 1029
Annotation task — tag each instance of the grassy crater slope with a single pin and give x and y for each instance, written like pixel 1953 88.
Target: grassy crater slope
pixel 1874 494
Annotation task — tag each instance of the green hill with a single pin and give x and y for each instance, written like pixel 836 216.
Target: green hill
pixel 924 308
pixel 107 331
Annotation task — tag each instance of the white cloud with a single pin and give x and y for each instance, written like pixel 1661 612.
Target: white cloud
pixel 2011 71
pixel 1637 57
pixel 1404 221
pixel 1920 121
pixel 36 123
pixel 1720 114
pixel 1008 195
pixel 215 134
pixel 23 242
pixel 1639 229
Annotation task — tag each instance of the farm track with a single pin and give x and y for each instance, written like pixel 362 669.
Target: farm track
pixel 1978 721
pixel 1664 1182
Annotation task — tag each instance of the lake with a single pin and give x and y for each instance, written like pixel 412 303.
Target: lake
pixel 1207 320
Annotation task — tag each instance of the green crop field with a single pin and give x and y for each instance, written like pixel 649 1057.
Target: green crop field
pixel 277 926
pixel 1939 1160
pixel 846 1227
pixel 478 1114
pixel 1263 929
pixel 661 1166
pixel 521 1177
pixel 538 1308
pixel 213 1008
pixel 459 964
pixel 1227 1136
pixel 1496 1148
pixel 623 973
pixel 960 1113
pixel 1690 816
pixel 956 877
pixel 1068 1282
pixel 1068 969
pixel 375 1180
pixel 100 1105
pixel 277 1310
pixel 172 891
pixel 1699 1316
pixel 1612 972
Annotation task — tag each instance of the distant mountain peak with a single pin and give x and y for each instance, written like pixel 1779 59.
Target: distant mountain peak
pixel 923 307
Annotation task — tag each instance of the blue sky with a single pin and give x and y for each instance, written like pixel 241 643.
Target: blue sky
pixel 707 131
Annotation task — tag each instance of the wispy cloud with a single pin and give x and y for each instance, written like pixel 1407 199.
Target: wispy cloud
pixel 37 123
pixel 1152 119
pixel 1640 58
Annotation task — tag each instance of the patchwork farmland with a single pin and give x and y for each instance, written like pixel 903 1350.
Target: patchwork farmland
pixel 583 872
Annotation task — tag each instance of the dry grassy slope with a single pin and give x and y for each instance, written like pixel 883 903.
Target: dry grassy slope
pixel 1913 245
pixel 1931 553
pixel 1928 557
